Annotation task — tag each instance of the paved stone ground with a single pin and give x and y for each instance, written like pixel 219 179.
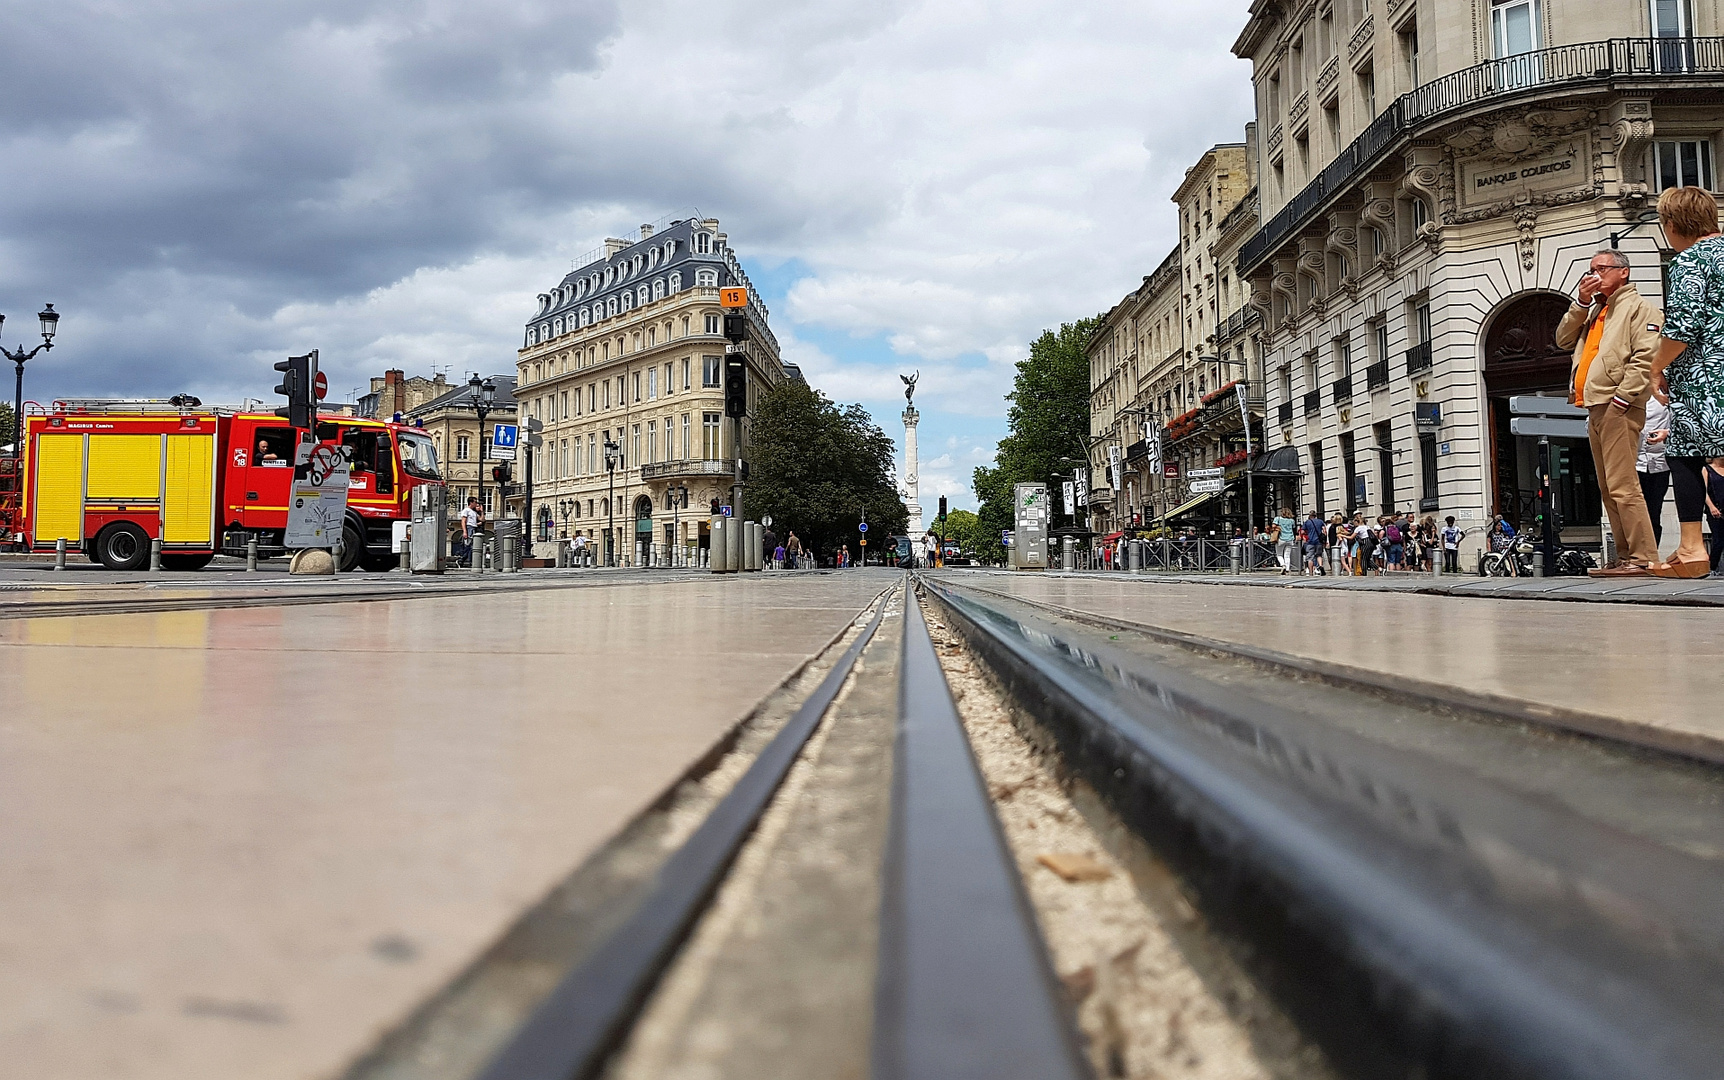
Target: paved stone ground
pixel 1699 591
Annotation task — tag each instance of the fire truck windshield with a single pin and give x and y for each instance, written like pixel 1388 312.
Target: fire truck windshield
pixel 419 457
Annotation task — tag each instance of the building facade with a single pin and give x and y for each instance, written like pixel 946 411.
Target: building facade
pixel 394 394
pixel 627 352
pixel 1435 176
pixel 463 449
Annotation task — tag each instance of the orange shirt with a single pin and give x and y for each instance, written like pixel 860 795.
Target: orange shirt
pixel 1587 352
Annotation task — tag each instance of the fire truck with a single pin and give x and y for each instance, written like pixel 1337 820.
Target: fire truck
pixel 110 476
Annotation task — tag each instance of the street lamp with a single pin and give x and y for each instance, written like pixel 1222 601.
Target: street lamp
pixel 50 320
pixel 612 450
pixel 678 496
pixel 483 393
pixel 565 505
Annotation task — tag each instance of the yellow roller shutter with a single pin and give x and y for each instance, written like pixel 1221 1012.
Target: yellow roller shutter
pixel 125 467
pixel 59 510
pixel 188 505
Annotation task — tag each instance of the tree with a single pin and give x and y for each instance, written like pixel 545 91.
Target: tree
pixel 818 469
pixel 1048 419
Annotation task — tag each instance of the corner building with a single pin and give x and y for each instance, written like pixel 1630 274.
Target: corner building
pixel 1434 177
pixel 629 349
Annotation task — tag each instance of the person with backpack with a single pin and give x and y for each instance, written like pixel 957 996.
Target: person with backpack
pixel 1364 545
pixel 1394 541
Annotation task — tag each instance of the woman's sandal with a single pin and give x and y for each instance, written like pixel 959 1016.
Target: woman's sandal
pixel 1683 568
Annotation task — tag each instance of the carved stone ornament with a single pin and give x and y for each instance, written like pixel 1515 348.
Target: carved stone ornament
pixel 1313 264
pixel 1526 224
pixel 1539 156
pixel 1285 284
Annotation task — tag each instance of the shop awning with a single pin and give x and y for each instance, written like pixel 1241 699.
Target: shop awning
pixel 1190 504
pixel 1112 536
pixel 1281 461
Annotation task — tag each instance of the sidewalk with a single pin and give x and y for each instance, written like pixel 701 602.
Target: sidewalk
pixel 1704 592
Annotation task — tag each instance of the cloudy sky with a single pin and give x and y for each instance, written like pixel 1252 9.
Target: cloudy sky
pixel 204 187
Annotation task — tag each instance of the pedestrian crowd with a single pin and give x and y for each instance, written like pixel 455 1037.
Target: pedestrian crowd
pixel 1363 545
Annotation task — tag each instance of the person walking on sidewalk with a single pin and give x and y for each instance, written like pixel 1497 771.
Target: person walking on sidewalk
pixel 1313 544
pixel 1614 333
pixel 1285 544
pixel 1690 363
pixel 793 551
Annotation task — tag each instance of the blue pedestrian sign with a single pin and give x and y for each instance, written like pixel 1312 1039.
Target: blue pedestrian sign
pixel 503 436
pixel 862 527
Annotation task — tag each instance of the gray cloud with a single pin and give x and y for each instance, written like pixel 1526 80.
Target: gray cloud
pixel 203 187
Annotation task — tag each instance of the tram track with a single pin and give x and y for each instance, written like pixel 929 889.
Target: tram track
pixel 1418 892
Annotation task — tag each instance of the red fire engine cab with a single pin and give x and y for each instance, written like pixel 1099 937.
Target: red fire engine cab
pixel 109 477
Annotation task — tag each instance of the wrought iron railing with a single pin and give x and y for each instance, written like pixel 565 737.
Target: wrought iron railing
pixel 1562 66
pixel 1377 375
pixel 664 470
pixel 1313 402
pixel 1419 358
pixel 1284 413
pixel 1342 388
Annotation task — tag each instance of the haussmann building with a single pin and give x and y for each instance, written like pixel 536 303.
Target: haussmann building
pixel 1435 176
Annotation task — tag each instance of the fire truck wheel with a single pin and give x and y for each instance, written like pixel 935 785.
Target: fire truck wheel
pixel 122 546
pixel 185 562
pixel 352 545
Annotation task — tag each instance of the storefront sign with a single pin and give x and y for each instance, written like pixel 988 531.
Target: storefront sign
pixel 1568 164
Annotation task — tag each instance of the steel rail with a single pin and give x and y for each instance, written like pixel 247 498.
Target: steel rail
pixel 1499 708
pixel 1438 956
pixel 573 1031
pixel 964 988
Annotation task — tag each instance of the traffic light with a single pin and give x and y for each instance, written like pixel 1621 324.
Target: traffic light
pixel 942 508
pixel 715 510
pixel 735 327
pixel 298 374
pixel 502 473
pixel 1562 464
pixel 735 385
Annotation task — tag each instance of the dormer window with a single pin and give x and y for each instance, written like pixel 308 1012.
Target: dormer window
pixel 676 281
pixel 658 289
pixel 702 243
pixel 706 279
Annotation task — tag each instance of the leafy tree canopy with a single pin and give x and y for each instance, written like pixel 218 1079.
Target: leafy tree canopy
pixel 1048 419
pixel 817 468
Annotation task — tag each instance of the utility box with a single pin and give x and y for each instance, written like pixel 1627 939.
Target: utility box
pixel 1029 550
pixel 430 529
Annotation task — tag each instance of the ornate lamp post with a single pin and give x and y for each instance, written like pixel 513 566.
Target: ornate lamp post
pixel 50 321
pixel 612 450
pixel 678 496
pixel 483 393
pixel 565 505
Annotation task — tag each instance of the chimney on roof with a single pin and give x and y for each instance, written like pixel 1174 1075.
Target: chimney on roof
pixel 646 231
pixel 613 245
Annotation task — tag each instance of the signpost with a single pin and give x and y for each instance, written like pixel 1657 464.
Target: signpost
pixel 1200 487
pixel 733 297
pixel 320 386
pixel 318 505
pixel 1195 473
pixel 503 440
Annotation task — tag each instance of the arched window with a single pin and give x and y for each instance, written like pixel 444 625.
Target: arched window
pixel 532 338
pixel 544 331
pixel 626 300
pixel 676 281
pixel 658 289
pixel 652 258
pixel 557 325
pixel 611 306
pixel 643 295
pixel 638 263
pixel 702 243
pixel 706 279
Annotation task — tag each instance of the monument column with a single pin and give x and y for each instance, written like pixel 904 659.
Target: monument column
pixel 910 470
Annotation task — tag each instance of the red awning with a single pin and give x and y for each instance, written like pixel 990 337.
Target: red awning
pixel 1112 536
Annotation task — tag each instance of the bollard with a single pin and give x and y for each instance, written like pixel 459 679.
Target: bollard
pixel 508 566
pixel 156 555
pixel 720 546
pixel 1439 557
pixel 1537 563
pixel 60 554
pixel 753 542
pixel 336 551
pixel 733 545
pixel 251 554
pixel 1233 559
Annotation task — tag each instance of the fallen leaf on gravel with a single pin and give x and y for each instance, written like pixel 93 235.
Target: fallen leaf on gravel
pixel 1074 867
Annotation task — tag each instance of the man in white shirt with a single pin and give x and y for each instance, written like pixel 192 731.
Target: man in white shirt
pixel 471 519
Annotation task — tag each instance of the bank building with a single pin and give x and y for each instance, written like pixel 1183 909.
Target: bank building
pixel 1434 177
pixel 622 363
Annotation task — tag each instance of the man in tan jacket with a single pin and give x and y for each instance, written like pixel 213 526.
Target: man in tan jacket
pixel 1613 331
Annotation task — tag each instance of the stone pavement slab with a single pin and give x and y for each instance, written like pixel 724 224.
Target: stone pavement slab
pixel 244 842
pixel 1655 666
pixel 1701 591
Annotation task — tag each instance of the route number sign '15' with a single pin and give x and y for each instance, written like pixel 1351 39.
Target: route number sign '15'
pixel 733 297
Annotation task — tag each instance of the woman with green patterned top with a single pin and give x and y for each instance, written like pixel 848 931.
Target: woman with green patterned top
pixel 1690 363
